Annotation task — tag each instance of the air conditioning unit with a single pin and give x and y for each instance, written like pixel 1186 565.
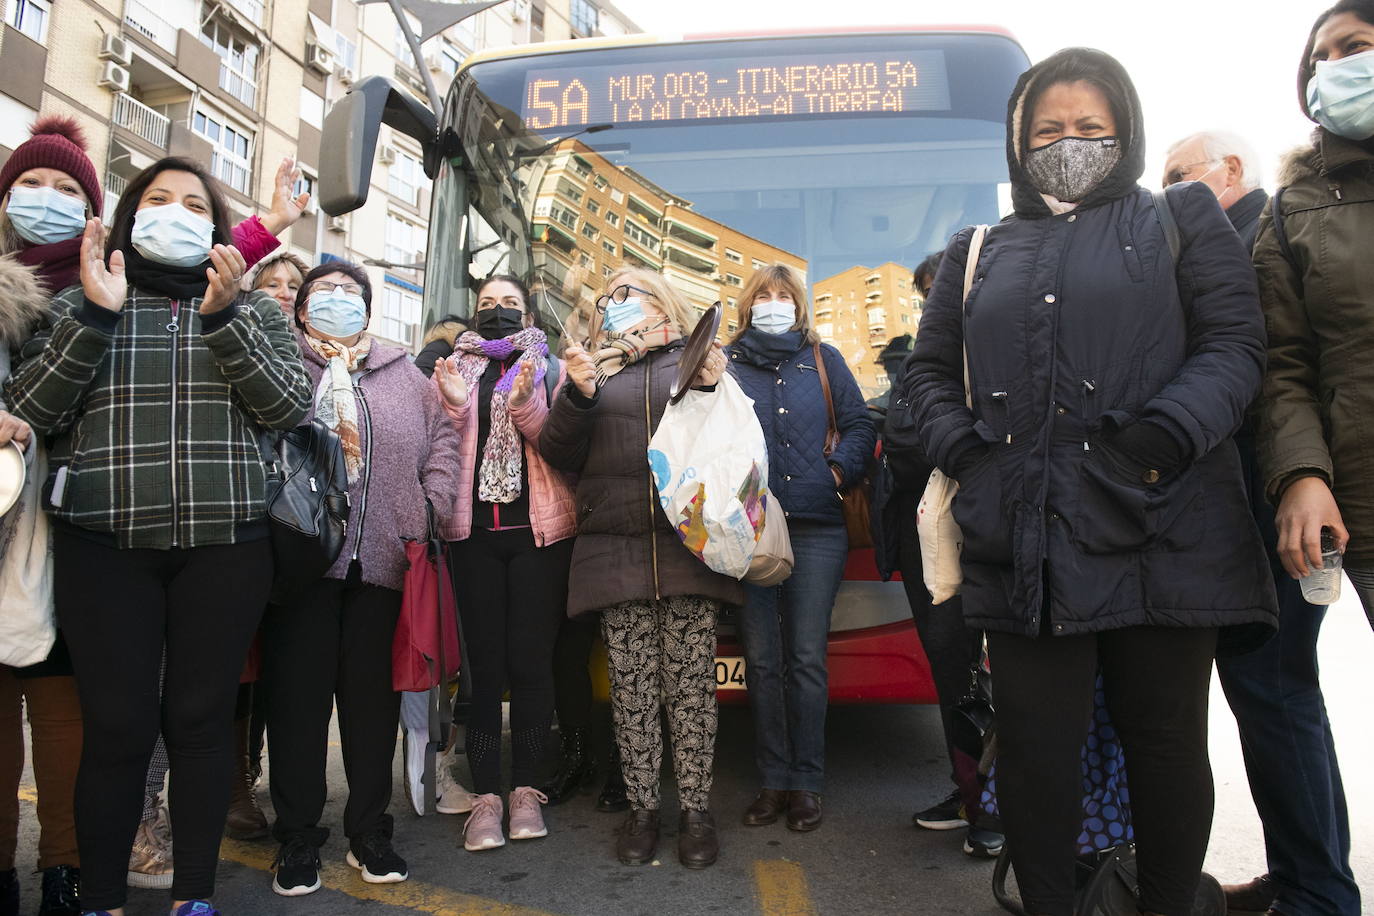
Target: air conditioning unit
pixel 338 224
pixel 115 49
pixel 520 10
pixel 319 58
pixel 386 154
pixel 346 75
pixel 434 62
pixel 114 77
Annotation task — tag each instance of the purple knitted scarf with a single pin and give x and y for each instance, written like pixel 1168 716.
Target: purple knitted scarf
pixel 503 457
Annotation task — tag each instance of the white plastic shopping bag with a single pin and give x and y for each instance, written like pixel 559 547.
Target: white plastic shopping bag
pixel 27 625
pixel 710 465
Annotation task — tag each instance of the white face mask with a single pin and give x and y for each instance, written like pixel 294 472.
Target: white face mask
pixel 773 317
pixel 1340 95
pixel 171 234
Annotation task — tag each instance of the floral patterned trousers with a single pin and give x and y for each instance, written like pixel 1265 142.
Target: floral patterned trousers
pixel 662 653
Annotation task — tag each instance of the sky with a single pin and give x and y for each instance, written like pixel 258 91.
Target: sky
pixel 1197 64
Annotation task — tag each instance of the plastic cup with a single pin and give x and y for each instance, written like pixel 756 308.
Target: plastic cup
pixel 1323 586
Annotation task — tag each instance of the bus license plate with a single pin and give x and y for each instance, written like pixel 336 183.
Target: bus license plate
pixel 729 673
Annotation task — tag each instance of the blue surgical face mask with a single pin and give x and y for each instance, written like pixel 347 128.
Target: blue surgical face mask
pixel 1340 95
pixel 336 313
pixel 172 235
pixel 621 316
pixel 773 317
pixel 42 216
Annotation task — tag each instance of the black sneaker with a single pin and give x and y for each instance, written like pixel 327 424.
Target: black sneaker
pixel 298 868
pixel 372 854
pixel 61 891
pixel 945 815
pixel 982 843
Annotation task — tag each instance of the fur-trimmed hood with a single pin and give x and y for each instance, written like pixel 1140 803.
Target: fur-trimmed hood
pixel 1325 154
pixel 23 302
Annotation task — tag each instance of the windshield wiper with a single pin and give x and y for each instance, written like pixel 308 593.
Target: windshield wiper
pixel 541 150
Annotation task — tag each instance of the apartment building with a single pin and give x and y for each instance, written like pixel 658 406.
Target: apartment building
pixel 591 216
pixel 860 309
pixel 239 84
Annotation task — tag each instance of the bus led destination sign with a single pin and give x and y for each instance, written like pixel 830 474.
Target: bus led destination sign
pixel 737 87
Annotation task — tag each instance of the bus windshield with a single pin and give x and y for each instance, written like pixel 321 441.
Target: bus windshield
pixel 848 157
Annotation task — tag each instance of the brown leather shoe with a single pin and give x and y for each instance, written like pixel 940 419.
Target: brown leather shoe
pixel 1251 897
pixel 803 811
pixel 697 844
pixel 766 809
pixel 638 840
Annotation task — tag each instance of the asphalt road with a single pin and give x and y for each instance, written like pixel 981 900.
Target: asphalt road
pixel 884 762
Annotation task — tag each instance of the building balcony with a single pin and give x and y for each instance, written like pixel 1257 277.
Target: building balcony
pixel 252 10
pixel 148 23
pixel 140 120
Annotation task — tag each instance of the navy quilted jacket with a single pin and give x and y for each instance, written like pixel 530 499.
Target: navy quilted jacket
pixel 778 371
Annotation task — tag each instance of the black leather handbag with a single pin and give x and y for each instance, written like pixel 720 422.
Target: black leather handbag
pixel 307 504
pixel 1107 886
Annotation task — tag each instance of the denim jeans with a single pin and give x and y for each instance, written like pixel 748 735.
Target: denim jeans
pixel 1290 759
pixel 785 630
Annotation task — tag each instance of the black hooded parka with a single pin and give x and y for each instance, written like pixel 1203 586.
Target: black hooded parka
pixel 1078 325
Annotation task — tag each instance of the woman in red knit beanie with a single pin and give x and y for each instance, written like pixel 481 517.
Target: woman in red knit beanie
pixel 50 189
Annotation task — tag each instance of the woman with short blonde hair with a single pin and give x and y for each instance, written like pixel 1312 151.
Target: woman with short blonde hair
pixel 658 603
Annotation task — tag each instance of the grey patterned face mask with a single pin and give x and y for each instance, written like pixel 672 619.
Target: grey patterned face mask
pixel 1069 168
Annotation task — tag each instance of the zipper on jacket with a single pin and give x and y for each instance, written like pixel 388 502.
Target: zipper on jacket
pixel 648 437
pixel 173 327
pixel 367 467
pixel 1000 398
pixel 1089 387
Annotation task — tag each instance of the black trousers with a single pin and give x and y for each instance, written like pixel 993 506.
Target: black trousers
pixel 331 645
pixel 119 610
pixel 951 647
pixel 572 679
pixel 1156 680
pixel 512 596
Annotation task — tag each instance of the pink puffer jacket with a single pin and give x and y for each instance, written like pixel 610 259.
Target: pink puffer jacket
pixel 553 510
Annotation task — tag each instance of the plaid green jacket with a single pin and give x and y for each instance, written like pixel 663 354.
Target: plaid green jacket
pixel 154 413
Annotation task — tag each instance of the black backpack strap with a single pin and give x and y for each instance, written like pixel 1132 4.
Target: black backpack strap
pixel 1280 231
pixel 1167 222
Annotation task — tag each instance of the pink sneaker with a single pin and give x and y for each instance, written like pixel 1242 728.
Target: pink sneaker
pixel 483 829
pixel 526 820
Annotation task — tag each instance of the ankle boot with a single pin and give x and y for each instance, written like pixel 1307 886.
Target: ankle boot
pixel 245 820
pixel 613 797
pixel 578 768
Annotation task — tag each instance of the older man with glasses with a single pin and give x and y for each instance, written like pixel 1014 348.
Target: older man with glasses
pixel 1275 692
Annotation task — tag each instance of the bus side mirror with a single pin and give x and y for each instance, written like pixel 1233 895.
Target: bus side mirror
pixel 348 144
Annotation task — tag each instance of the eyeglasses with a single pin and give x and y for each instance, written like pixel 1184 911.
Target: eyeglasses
pixel 618 296
pixel 1181 173
pixel 324 286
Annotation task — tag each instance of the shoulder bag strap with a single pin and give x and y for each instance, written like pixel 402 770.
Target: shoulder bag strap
pixel 975 250
pixel 832 429
pixel 1167 222
pixel 1281 231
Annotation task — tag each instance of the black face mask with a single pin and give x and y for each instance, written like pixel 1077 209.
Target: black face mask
pixel 493 324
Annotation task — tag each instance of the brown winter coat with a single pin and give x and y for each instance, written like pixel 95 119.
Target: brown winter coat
pixel 23 307
pixel 625 548
pixel 1317 413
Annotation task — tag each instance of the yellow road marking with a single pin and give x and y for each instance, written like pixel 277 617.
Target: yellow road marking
pixel 782 889
pixel 416 895
pixel 28 793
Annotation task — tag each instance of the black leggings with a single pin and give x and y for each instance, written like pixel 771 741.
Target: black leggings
pixel 512 597
pixel 1156 681
pixel 119 610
